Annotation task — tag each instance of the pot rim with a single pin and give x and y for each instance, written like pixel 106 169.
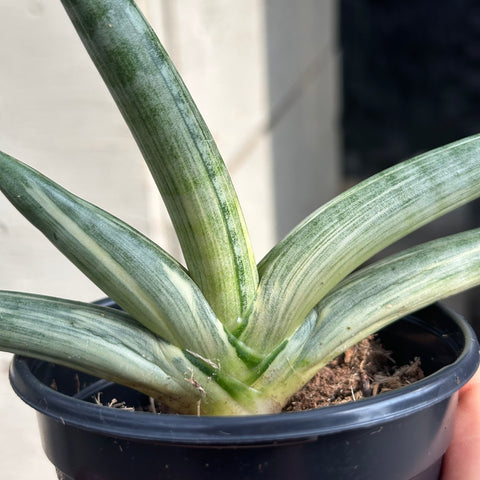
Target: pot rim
pixel 231 430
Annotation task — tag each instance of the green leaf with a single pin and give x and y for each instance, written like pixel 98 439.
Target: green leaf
pixel 110 344
pixel 178 149
pixel 101 341
pixel 370 299
pixel 351 228
pixel 142 278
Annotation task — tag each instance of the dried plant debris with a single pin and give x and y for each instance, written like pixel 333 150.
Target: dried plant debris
pixel 113 403
pixel 364 370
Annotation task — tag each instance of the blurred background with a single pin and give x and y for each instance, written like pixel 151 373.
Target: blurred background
pixel 304 98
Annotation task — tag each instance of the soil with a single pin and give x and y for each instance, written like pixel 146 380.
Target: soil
pixel 364 370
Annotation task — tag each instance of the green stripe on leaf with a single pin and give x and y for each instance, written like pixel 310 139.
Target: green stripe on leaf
pixel 178 148
pixel 347 231
pixel 136 273
pixel 370 299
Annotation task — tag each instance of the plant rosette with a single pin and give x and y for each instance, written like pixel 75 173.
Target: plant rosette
pixel 223 335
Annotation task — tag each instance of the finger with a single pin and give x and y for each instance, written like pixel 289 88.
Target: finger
pixel 462 460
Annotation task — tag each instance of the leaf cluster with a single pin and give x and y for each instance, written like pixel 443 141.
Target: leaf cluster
pixel 224 334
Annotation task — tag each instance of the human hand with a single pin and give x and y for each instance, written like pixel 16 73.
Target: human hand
pixel 462 460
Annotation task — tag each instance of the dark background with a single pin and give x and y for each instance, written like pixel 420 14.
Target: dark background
pixel 411 73
pixel 411 82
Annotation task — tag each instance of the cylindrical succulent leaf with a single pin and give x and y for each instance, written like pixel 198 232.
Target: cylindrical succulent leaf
pixel 110 344
pixel 370 299
pixel 178 148
pixel 337 238
pixel 132 270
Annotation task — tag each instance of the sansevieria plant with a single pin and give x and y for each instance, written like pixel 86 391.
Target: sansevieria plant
pixel 225 335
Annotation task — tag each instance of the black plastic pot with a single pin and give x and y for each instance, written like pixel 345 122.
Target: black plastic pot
pixel 400 435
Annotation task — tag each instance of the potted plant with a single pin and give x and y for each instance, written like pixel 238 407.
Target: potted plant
pixel 224 342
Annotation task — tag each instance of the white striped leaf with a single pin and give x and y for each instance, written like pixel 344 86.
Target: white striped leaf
pixel 132 270
pixel 343 234
pixel 110 344
pixel 370 299
pixel 178 149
